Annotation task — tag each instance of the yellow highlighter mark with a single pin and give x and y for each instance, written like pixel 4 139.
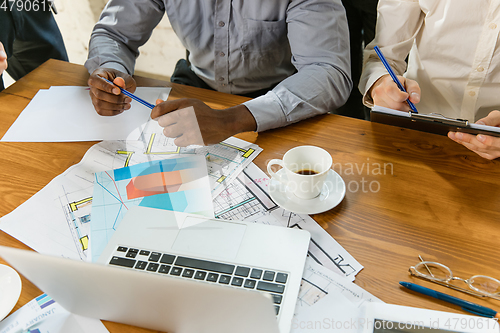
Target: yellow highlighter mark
pixel 150 147
pixel 247 152
pixel 77 204
pixel 85 242
pixel 129 155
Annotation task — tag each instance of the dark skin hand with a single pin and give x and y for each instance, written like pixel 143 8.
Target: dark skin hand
pixel 107 98
pixel 214 125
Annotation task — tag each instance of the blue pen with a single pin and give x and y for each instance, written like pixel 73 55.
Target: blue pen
pixel 394 77
pixel 129 94
pixel 465 305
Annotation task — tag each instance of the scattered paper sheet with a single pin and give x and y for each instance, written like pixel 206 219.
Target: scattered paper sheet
pixel 392 318
pixel 44 315
pixel 329 302
pixel 247 199
pixel 57 219
pixel 66 113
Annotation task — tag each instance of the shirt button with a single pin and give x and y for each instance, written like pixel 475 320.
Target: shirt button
pixel 472 93
pixel 221 24
pixel 480 69
pixel 222 54
pixel 221 78
pixel 493 26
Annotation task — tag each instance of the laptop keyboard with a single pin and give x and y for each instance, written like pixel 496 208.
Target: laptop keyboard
pixel 246 277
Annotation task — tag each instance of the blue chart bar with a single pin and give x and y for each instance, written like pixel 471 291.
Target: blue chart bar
pixel 148 168
pixel 44 301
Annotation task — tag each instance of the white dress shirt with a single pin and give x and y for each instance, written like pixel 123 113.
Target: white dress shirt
pixel 239 46
pixel 455 55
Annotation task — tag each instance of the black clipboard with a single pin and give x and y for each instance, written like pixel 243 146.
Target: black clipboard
pixel 431 122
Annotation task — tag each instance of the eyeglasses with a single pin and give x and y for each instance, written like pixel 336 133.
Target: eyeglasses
pixel 480 285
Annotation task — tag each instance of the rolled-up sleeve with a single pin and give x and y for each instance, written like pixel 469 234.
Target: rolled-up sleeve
pixel 319 41
pixel 123 27
pixel 398 23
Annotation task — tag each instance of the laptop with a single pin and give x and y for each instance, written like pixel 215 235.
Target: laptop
pixel 177 272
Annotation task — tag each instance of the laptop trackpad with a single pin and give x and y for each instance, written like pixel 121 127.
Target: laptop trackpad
pixel 209 238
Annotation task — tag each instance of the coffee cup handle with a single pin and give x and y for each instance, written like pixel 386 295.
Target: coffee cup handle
pixel 274 174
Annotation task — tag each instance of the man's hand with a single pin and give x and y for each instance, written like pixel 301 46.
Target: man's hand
pixel 3 59
pixel 191 121
pixel 386 93
pixel 484 145
pixel 107 98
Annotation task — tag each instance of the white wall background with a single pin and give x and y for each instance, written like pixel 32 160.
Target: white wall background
pixel 76 18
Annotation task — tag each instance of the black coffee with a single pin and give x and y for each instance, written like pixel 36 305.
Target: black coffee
pixel 306 172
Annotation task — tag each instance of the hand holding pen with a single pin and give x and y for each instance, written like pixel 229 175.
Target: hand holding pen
pixel 395 92
pixel 107 97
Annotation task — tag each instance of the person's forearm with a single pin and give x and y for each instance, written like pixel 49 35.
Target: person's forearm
pixel 124 26
pixel 314 90
pixel 108 53
pixel 404 17
pixel 240 119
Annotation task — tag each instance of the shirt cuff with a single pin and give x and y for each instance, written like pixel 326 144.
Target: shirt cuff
pixel 117 66
pixel 374 76
pixel 93 64
pixel 267 112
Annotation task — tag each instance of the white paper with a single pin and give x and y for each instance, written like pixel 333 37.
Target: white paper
pixel 328 302
pixel 44 315
pixel 382 318
pixel 66 113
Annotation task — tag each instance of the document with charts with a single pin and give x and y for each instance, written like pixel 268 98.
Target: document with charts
pixel 247 199
pixel 57 219
pixel 224 160
pixel 44 315
pixel 179 184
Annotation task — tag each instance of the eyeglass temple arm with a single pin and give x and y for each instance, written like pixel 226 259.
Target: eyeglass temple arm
pixel 426 267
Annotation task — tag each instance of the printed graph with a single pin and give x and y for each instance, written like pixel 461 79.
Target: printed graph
pixel 177 184
pixel 225 161
pixel 76 202
pixel 44 300
pixel 243 199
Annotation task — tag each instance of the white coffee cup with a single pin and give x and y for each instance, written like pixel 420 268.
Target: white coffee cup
pixel 306 169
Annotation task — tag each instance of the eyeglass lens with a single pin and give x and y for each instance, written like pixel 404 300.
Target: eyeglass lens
pixel 435 271
pixel 484 284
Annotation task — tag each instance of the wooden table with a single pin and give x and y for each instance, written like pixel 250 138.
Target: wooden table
pixel 408 193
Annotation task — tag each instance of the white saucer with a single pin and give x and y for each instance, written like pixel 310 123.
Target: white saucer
pixel 331 195
pixel 10 289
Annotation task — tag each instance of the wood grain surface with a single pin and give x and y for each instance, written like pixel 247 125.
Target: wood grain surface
pixel 408 193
